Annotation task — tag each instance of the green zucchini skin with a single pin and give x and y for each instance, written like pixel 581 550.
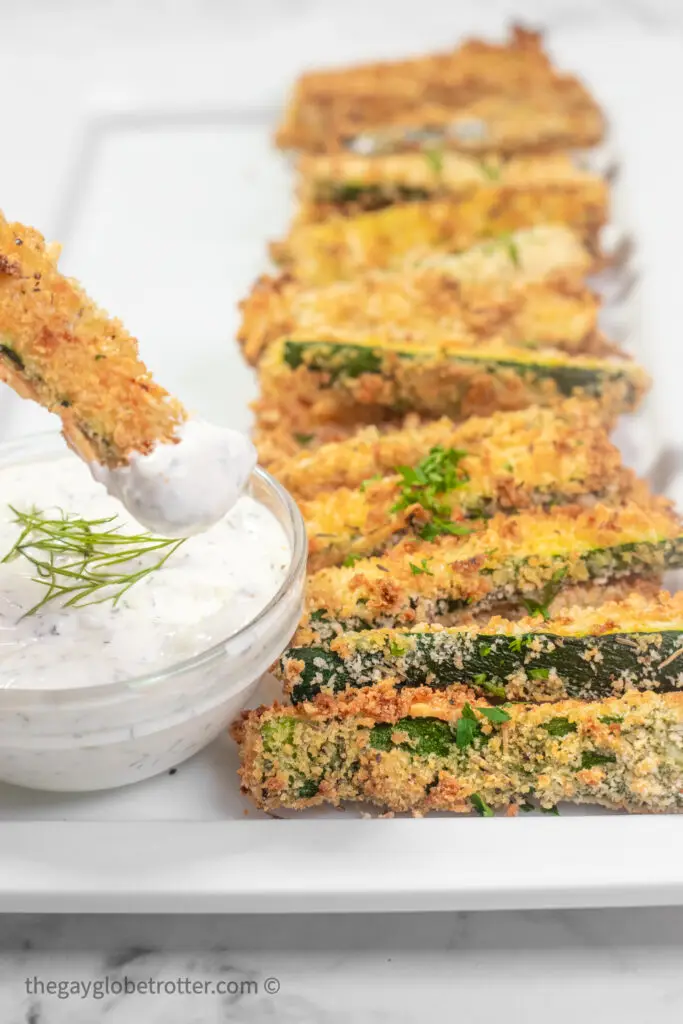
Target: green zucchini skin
pixel 531 665
pixel 644 558
pixel 345 361
pixel 368 196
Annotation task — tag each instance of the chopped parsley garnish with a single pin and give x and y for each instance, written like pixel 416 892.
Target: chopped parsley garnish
pixel 480 806
pixel 395 649
pixel 437 474
pixel 490 171
pixel 435 159
pixel 485 649
pixel 547 596
pixel 496 715
pixel 467 729
pixel 421 569
pixel 352 558
pixel 303 439
pixel 370 479
pixel 539 673
pixel 611 719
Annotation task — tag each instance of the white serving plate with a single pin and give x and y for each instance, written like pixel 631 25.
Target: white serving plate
pixel 165 192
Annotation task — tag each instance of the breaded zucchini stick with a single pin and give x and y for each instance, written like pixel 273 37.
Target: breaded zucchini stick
pixel 545 467
pixel 479 97
pixel 511 562
pixel 347 184
pixel 479 290
pixel 419 751
pixel 59 349
pixel 338 380
pixel 430 308
pixel 318 254
pixel 371 453
pixel 583 654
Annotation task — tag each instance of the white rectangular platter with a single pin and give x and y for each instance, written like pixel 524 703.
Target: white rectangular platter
pixel 164 190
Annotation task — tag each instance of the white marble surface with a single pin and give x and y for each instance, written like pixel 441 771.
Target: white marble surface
pixel 67 62
pixel 525 968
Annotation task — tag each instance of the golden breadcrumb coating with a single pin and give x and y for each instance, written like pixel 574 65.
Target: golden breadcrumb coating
pixel 507 558
pixel 318 254
pixel 539 296
pixel 479 97
pixel 544 465
pixel 348 184
pixel 370 452
pixel 59 349
pixel 579 653
pixel 352 382
pixel 421 750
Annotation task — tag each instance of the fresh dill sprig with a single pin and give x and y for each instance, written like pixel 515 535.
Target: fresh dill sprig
pixel 437 474
pixel 78 559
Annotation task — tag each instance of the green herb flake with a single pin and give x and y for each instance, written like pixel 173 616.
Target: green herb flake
pixel 548 595
pixel 467 729
pixel 489 171
pixel 480 806
pixel 303 439
pixel 484 650
pixel 435 159
pixel 352 558
pixel 395 649
pixel 611 719
pixel 560 727
pixel 370 479
pixel 539 673
pixel 421 569
pixel 496 715
pixel 439 473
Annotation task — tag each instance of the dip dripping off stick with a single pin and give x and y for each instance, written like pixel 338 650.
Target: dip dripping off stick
pixel 59 349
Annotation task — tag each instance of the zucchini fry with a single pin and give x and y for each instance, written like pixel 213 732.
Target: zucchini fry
pixel 318 254
pixel 545 467
pixel 371 453
pixel 59 349
pixel 582 654
pixel 336 380
pixel 479 97
pixel 426 306
pixel 347 184
pixel 509 563
pixel 430 293
pixel 419 751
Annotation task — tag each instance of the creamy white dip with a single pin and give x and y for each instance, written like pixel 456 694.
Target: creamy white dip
pixel 181 489
pixel 216 582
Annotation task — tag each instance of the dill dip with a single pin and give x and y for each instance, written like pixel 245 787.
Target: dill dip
pixel 183 488
pixel 212 584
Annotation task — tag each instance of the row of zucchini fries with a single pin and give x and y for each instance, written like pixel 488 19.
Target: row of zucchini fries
pixel 484 626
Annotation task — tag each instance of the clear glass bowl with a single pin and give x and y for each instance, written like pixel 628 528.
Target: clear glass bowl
pixel 98 737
